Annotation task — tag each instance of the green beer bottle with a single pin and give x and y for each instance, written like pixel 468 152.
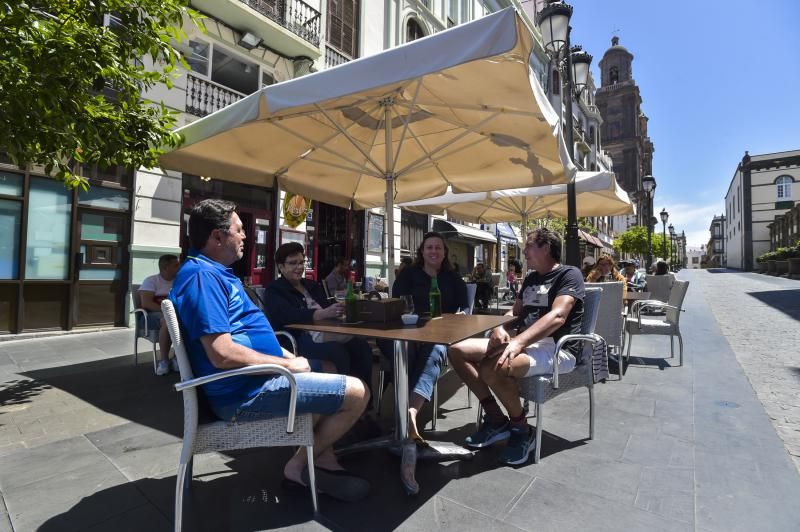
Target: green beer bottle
pixel 435 299
pixel 350 304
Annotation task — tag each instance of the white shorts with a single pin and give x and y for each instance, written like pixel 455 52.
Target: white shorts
pixel 541 358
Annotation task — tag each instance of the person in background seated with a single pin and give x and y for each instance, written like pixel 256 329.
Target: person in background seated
pixel 225 330
pixel 550 306
pixel 483 290
pixel 588 266
pixel 661 268
pixel 152 292
pixel 634 279
pixel 337 279
pixel 605 270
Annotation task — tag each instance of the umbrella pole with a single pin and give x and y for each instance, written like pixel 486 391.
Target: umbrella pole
pixel 525 238
pixel 389 176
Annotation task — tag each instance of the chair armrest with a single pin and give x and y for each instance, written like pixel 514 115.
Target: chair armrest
pixel 260 369
pixel 144 318
pixel 594 339
pixel 656 305
pixel 291 339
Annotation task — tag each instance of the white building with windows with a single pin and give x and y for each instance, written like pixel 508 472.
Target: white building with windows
pixel 763 187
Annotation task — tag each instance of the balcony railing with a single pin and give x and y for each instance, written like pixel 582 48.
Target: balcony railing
pixel 294 15
pixel 334 57
pixel 203 97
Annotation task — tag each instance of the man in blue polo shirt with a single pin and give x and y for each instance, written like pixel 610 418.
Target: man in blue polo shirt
pixel 225 330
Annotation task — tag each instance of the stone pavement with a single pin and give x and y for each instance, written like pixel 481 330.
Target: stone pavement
pixel 90 442
pixel 760 317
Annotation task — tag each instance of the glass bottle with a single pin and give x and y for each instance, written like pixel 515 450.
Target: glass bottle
pixel 350 304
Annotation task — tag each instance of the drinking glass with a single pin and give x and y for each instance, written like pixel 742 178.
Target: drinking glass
pixel 408 302
pixel 339 295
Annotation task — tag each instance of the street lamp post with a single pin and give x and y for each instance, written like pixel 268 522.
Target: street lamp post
pixel 553 21
pixel 649 188
pixel 683 249
pixel 664 218
pixel 671 245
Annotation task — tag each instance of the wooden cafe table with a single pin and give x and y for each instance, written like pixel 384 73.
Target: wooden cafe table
pixel 447 330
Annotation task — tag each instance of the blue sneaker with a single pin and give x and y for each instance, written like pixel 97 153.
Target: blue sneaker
pixel 488 434
pixel 519 446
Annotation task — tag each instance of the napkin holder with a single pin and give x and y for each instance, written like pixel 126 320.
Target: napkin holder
pixel 380 310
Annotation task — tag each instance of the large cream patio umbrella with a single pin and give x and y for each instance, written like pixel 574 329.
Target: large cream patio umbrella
pixel 597 194
pixel 457 109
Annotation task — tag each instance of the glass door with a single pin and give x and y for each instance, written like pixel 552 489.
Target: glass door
pixel 101 268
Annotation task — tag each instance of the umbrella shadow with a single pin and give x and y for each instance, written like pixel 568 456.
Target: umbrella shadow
pixel 786 301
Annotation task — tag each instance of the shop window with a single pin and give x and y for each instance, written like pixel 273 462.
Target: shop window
pixel 10 220
pixel 47 245
pixel 11 184
pixel 784 184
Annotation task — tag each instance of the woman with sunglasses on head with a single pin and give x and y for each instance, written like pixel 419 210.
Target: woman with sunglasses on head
pixel 294 299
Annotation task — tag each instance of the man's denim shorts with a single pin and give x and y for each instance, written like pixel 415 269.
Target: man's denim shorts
pixel 317 393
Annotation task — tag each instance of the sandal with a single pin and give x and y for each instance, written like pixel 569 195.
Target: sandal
pixel 339 484
pixel 420 442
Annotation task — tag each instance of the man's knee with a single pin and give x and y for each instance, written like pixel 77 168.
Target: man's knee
pixel 356 393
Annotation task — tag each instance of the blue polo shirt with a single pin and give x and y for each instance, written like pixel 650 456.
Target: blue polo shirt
pixel 210 299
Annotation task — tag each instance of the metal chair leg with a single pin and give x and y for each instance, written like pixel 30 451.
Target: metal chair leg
pixel 435 404
pixel 671 347
pixel 312 478
pixel 379 395
pixel 135 350
pixel 537 452
pixel 478 419
pixel 180 482
pixel 680 349
pixel 155 356
pixel 591 411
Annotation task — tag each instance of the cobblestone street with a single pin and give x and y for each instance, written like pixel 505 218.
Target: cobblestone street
pixel 759 315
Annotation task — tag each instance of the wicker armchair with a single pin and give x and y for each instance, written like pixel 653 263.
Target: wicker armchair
pixel 199 437
pixel 140 328
pixel 670 325
pixel 610 320
pixel 542 388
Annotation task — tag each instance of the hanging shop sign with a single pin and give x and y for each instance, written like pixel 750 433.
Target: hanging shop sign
pixel 295 209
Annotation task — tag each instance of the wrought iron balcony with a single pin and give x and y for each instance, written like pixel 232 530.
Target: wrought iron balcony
pixel 334 57
pixel 203 97
pixel 294 15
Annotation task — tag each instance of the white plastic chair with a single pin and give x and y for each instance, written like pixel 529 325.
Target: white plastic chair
pixel 610 320
pixel 198 438
pixel 140 328
pixel 670 325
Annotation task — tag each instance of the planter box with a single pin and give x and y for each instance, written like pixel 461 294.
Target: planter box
pixel 761 267
pixel 771 267
pixel 781 267
pixel 794 268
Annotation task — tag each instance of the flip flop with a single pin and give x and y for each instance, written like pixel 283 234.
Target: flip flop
pixel 338 484
pixel 420 442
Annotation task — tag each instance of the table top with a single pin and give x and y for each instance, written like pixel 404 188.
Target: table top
pixel 635 296
pixel 447 330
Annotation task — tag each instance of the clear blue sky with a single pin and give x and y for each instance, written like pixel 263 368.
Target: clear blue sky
pixel 717 78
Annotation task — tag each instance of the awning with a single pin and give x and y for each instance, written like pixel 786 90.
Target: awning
pixel 505 231
pixel 586 237
pixel 452 230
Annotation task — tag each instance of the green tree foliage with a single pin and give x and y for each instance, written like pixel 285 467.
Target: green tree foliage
pixel 559 225
pixel 634 241
pixel 71 87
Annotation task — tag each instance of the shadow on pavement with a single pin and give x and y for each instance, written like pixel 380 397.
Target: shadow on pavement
pixel 787 301
pixel 20 391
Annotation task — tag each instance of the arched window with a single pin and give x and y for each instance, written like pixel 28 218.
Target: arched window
pixel 784 183
pixel 413 30
pixel 613 75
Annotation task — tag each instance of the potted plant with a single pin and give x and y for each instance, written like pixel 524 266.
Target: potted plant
pixel 770 259
pixel 782 261
pixel 794 261
pixel 761 263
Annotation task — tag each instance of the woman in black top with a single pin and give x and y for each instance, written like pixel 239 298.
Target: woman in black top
pixel 425 360
pixel 293 299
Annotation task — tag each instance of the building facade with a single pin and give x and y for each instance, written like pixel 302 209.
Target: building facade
pixel 624 128
pixel 715 249
pixel 762 188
